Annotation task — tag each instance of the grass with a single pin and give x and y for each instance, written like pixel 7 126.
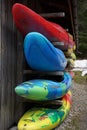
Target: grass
pixel 80 79
pixel 83 55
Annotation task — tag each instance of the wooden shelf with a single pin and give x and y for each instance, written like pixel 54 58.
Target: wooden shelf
pixel 53 15
pixel 59 73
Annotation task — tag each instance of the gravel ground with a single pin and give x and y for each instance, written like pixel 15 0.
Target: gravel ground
pixel 77 118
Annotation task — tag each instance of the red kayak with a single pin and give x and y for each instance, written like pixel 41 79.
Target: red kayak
pixel 26 20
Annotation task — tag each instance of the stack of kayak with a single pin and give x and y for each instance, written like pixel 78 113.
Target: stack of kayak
pixel 71 57
pixel 41 55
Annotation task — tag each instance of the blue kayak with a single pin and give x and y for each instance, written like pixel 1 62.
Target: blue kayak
pixel 41 54
pixel 41 89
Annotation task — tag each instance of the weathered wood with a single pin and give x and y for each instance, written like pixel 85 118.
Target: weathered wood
pixel 3 67
pixel 8 59
pixel 0 65
pixel 53 15
pixel 19 75
pixel 58 73
pixel 7 74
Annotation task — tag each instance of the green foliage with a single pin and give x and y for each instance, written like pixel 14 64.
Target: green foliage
pixel 83 50
pixel 82 21
pixel 79 79
pixel 82 16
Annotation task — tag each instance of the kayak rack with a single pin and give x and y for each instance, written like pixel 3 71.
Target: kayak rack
pixel 49 104
pixel 53 75
pixel 53 15
pixel 58 43
pixel 57 73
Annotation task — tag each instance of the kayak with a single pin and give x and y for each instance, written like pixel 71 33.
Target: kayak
pixel 41 55
pixel 27 20
pixel 42 90
pixel 45 118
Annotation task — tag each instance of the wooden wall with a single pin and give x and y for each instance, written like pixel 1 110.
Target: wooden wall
pixel 11 43
pixel 11 64
pixel 7 65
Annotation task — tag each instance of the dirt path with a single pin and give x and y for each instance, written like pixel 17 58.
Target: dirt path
pixel 77 118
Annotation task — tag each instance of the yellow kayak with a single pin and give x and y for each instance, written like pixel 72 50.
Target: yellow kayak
pixel 69 54
pixel 70 63
pixel 45 118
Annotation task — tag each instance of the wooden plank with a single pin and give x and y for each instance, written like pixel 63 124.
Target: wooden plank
pixel 4 66
pixel 11 65
pixel 7 69
pixel 19 76
pixel 71 17
pixel 0 65
pixel 58 73
pixel 8 65
pixel 53 15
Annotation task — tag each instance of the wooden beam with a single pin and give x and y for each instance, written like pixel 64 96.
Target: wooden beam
pixel 59 73
pixel 53 15
pixel 71 17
